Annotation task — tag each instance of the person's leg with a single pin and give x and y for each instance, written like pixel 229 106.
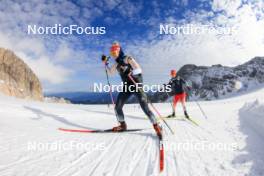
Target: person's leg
pixel 183 102
pixel 175 101
pixel 121 99
pixel 143 101
pixel 142 98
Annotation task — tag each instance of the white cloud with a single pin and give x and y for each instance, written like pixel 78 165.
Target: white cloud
pixel 229 6
pixel 184 2
pixel 64 52
pixel 129 10
pixel 48 56
pixel 160 55
pixel 32 52
pixel 111 4
pixel 46 70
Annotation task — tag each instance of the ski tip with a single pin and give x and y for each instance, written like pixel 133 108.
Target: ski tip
pixel 64 129
pixel 161 167
pixel 161 163
pixel 193 121
pixel 161 170
pixel 74 130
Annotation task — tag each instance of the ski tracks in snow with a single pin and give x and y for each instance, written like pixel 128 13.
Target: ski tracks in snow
pixel 132 154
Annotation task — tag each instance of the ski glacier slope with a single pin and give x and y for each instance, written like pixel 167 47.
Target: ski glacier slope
pixel 236 120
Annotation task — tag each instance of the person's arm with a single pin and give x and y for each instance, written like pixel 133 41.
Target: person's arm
pixel 111 70
pixel 171 82
pixel 182 80
pixel 186 84
pixel 136 67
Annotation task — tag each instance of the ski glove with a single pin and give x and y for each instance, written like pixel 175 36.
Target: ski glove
pixel 105 59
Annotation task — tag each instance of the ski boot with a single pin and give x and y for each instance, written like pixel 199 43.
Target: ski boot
pixel 172 115
pixel 158 130
pixel 186 115
pixel 120 128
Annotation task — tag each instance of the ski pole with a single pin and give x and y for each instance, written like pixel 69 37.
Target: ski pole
pixel 108 82
pixel 205 116
pixel 111 95
pixel 170 102
pixel 198 104
pixel 141 91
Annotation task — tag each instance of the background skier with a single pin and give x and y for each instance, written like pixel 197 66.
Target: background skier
pixel 178 86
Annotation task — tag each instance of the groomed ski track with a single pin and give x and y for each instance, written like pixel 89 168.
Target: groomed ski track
pixel 134 153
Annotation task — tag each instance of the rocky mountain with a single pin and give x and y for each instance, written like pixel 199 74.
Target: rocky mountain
pixel 17 79
pixel 219 81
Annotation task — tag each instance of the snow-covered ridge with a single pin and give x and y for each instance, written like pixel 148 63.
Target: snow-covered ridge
pixel 220 81
pixel 56 100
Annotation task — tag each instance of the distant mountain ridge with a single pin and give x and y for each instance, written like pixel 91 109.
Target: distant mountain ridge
pixel 85 97
pixel 208 82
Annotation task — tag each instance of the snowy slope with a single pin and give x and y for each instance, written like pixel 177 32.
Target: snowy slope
pixel 236 122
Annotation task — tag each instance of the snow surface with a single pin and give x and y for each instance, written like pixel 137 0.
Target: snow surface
pixel 236 122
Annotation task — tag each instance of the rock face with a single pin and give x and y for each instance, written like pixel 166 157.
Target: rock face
pixel 218 81
pixel 17 79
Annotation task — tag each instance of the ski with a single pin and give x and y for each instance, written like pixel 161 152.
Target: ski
pixel 174 117
pixel 182 118
pixel 193 121
pixel 170 116
pixel 161 155
pixel 97 131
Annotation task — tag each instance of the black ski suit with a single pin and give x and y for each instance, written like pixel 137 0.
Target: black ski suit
pixel 124 69
pixel 177 85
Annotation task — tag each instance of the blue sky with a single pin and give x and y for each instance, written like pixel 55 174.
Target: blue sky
pixel 72 62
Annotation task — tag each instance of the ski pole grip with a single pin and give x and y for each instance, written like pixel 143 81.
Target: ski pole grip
pixel 105 59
